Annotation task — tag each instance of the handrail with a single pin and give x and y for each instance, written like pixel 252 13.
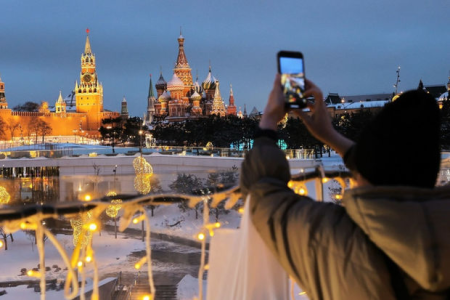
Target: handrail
pixel 223 193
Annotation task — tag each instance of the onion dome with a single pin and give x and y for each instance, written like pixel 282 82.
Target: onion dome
pixel 161 84
pixel 175 83
pixel 197 87
pixel 196 96
pixel 210 82
pixel 164 97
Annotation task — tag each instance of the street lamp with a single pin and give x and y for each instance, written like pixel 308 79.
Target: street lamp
pixel 140 140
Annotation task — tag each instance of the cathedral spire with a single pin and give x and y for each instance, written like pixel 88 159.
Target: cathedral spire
pixel 87 47
pixel 218 108
pixel 183 70
pixel 150 102
pixel 150 88
pixel 181 59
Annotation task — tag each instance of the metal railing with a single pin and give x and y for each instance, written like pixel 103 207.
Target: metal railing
pixel 59 151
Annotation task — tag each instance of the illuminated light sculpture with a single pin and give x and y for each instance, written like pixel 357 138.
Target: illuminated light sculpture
pixel 4 196
pixel 115 206
pixel 79 231
pixel 143 172
pixel 113 210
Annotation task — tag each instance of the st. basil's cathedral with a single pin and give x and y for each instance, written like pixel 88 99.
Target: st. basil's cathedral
pixel 181 98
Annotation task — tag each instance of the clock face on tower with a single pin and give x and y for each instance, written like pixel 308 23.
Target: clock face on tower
pixel 87 78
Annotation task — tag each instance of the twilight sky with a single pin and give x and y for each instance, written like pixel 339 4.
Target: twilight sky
pixel 350 47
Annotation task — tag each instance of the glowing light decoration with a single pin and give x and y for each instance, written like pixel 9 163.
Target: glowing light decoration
pixel 115 206
pixel 143 172
pixel 4 196
pixel 80 234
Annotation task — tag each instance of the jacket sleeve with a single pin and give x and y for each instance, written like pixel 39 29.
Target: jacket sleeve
pixel 315 242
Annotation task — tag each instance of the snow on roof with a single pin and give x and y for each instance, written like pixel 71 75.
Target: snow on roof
pixel 358 105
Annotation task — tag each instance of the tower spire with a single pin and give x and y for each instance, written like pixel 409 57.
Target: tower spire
pixel 150 88
pixel 182 68
pixel 231 109
pixel 87 47
pixel 181 59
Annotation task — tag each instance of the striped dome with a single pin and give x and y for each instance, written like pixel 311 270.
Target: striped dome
pixel 196 96
pixel 210 82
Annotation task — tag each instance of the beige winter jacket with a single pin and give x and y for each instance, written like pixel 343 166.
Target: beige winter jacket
pixel 333 252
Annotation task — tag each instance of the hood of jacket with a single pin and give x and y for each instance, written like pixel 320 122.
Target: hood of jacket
pixel 410 225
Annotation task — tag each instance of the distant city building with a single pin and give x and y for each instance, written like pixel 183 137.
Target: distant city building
pixel 443 97
pixel 182 98
pixel 124 109
pixel 82 117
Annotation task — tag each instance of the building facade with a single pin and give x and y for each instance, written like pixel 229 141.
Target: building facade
pixel 181 98
pixel 82 120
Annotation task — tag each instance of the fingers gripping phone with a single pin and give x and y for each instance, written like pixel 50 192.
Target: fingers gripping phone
pixel 291 66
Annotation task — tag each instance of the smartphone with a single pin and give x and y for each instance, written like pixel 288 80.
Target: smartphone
pixel 291 66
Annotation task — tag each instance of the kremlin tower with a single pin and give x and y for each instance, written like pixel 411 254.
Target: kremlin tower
pixel 3 103
pixel 89 93
pixel 231 109
pixel 60 106
pixel 124 109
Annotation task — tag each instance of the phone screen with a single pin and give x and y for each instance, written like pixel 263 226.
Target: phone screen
pixel 293 79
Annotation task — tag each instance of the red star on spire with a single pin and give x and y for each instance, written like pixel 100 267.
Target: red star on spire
pixel 87 30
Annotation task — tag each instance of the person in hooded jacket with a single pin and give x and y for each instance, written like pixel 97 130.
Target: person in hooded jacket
pixel 391 237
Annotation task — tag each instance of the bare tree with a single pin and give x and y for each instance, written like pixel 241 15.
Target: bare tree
pixel 12 126
pixel 33 128
pixel 4 235
pixel 2 127
pixel 43 129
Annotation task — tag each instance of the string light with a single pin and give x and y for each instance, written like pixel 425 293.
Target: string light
pixel 35 274
pixel 1 244
pixel 201 236
pixel 138 219
pixel 301 190
pixel 28 226
pixel 140 263
pixel 92 226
